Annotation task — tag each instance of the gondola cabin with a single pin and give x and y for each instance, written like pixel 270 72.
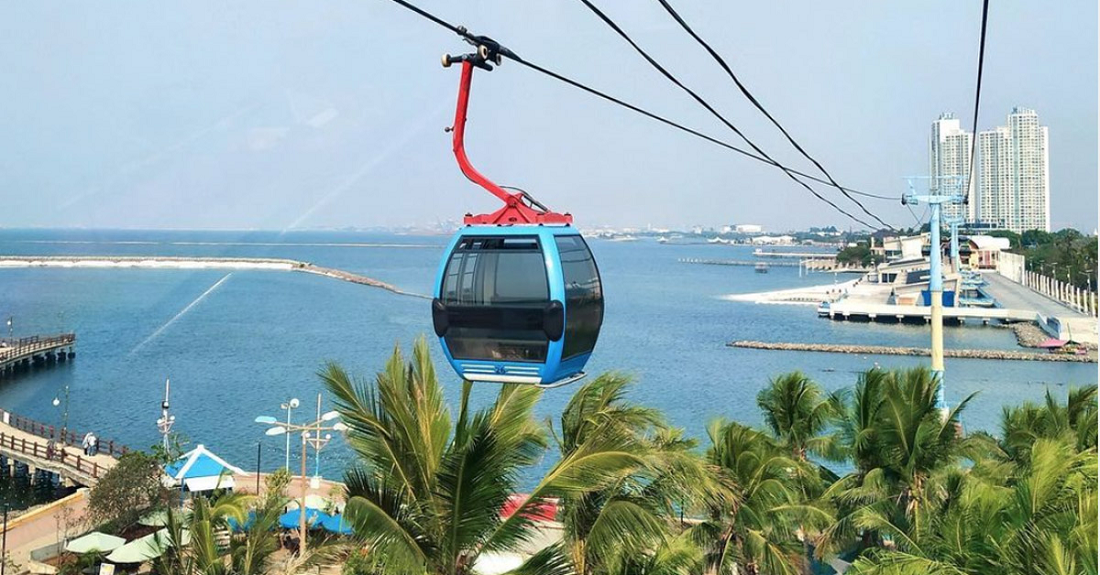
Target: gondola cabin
pixel 518 298
pixel 518 304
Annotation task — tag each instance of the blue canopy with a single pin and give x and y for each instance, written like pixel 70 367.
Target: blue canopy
pixel 201 470
pixel 237 528
pixel 290 519
pixel 336 524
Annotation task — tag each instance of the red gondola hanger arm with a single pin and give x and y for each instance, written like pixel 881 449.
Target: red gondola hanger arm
pixel 519 207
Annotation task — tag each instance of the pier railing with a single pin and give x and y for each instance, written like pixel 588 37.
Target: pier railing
pixel 66 436
pixel 43 451
pixel 32 344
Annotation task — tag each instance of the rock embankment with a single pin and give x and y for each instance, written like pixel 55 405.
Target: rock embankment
pixel 917 351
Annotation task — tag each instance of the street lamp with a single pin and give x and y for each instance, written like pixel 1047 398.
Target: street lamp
pixel 64 413
pixel 311 435
pixel 317 441
pixel 289 406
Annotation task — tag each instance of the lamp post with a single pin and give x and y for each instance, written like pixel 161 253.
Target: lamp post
pixel 311 434
pixel 318 441
pixel 289 406
pixel 164 423
pixel 64 413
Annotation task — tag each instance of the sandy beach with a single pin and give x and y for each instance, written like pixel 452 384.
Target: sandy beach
pixel 811 295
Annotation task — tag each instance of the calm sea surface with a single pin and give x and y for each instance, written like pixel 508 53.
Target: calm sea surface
pixel 258 337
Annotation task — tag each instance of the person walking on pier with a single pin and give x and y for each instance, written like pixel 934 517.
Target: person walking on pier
pixel 89 443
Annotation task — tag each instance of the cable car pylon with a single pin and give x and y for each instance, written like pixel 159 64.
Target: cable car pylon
pixel 941 190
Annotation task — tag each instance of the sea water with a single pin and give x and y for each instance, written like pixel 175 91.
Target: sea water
pixel 237 343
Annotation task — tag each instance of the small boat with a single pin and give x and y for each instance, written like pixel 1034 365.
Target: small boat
pixel 662 240
pixel 823 309
pixel 761 268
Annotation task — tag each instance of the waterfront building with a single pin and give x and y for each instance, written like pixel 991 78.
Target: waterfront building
pixel 949 156
pixel 1014 174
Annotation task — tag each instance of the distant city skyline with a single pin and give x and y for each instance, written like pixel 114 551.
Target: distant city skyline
pixel 1009 186
pixel 1015 166
pixel 284 116
pixel 949 153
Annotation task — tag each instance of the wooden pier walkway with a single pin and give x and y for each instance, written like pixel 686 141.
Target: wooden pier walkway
pixel 35 350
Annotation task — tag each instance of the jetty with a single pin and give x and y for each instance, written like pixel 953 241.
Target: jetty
pixel 998 354
pixel 812 264
pixel 19 354
pixel 169 262
pixel 42 448
pixel 858 310
pixel 798 255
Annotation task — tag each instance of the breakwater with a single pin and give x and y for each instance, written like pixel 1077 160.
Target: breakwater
pixel 168 262
pixel 916 351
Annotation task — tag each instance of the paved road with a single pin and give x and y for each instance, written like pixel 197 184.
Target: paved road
pixel 1013 295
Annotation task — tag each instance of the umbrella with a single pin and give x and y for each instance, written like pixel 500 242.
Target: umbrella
pixel 233 525
pixel 157 518
pixel 313 501
pixel 1052 343
pixel 145 548
pixel 94 541
pixel 336 524
pixel 290 519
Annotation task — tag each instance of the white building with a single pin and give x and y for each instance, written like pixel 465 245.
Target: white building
pixel 1014 174
pixel 949 155
pixel 748 228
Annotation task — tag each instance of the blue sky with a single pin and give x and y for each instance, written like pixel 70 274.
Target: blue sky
pixel 284 115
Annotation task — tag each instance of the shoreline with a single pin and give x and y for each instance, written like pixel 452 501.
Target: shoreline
pixel 810 295
pixel 193 263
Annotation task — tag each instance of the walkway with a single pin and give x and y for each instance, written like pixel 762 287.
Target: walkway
pixel 35 349
pixel 1015 296
pixel 1061 320
pixel 68 462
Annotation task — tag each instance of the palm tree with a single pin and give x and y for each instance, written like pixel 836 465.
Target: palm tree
pixel 752 523
pixel 798 413
pixel 1042 518
pixel 801 417
pixel 199 541
pixel 428 491
pixel 898 439
pixel 1023 425
pixel 628 525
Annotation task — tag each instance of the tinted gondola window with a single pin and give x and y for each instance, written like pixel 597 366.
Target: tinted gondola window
pixel 495 290
pixel 583 296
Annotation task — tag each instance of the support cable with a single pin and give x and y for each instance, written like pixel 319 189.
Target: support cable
pixel 699 99
pixel 465 34
pixel 756 103
pixel 977 101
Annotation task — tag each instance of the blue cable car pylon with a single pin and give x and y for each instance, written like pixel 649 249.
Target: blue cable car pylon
pixel 941 190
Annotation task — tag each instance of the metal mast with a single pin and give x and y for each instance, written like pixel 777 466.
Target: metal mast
pixel 941 190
